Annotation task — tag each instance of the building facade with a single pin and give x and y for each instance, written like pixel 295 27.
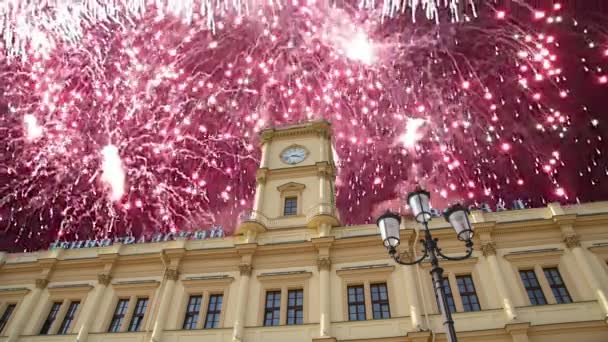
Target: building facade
pixel 293 273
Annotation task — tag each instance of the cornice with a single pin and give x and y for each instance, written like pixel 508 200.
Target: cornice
pixel 246 248
pixel 69 289
pixel 323 242
pixel 365 270
pixel 14 291
pixel 284 276
pixel 531 255
pixel 136 284
pixel 291 186
pixel 193 282
pixel 469 262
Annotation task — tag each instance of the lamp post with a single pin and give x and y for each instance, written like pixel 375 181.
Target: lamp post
pixel 457 215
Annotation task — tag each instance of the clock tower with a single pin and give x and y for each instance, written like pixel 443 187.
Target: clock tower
pixel 295 181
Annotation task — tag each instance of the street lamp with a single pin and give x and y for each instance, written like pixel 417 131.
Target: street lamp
pixel 457 215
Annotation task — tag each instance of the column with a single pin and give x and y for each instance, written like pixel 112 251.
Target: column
pixel 258 200
pixel 241 305
pixel 103 280
pixel 573 243
pixel 412 297
pixel 165 302
pixel 24 311
pixel 489 252
pixel 322 187
pixel 324 264
pixel 518 331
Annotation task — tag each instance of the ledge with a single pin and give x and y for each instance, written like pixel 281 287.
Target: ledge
pixel 363 269
pixel 194 281
pixel 292 275
pixel 534 254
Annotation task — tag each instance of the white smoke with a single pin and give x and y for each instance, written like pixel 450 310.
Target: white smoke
pixel 113 173
pixel 33 131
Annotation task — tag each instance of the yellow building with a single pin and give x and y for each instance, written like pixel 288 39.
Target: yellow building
pixel 293 273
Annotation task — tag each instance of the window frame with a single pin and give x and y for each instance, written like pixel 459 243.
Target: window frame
pixel 292 200
pixel 532 272
pixel 4 309
pixel 557 286
pixel 137 314
pixel 215 311
pixel 468 294
pixel 537 260
pixel 447 285
pixel 205 286
pixel 54 313
pixel 189 313
pixel 272 295
pixel 71 315
pixel 64 293
pixel 295 307
pixel 130 291
pixel 114 315
pixel 8 297
pixel 357 303
pixel 287 190
pixel 371 274
pixel 284 282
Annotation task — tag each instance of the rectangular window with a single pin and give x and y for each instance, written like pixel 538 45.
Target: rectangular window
pixel 119 315
pixel 272 311
pixel 69 318
pixel 356 303
pixel 192 312
pixel 448 294
pixel 295 307
pixel 560 292
pixel 470 302
pixel 380 306
pixel 138 314
pixel 291 206
pixel 6 316
pixel 535 293
pixel 46 327
pixel 214 310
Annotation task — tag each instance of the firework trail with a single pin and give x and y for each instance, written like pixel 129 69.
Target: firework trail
pixel 144 117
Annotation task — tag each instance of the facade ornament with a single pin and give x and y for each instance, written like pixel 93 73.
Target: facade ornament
pixel 104 279
pixel 245 269
pixel 324 263
pixel 572 240
pixel 488 248
pixel 260 175
pixel 172 274
pixel 41 283
pixel 267 136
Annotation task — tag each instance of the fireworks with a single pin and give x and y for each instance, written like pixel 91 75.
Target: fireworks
pixel 145 117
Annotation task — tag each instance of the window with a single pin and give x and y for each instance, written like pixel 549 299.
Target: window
pixel 69 318
pixel 468 295
pixel 46 327
pixel 448 294
pixel 6 316
pixel 380 306
pixel 295 307
pixel 119 315
pixel 192 312
pixel 560 292
pixel 138 314
pixel 272 311
pixel 291 206
pixel 214 309
pixel 535 293
pixel 356 303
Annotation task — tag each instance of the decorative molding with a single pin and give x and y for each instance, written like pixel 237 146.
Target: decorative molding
pixel 285 276
pixel 207 281
pixel 41 283
pixel 572 240
pixel 261 174
pixel 245 269
pixel 324 263
pixel 366 270
pixel 172 274
pixel 136 285
pixel 104 279
pixel 530 257
pixel 61 291
pixel 488 248
pixel 291 186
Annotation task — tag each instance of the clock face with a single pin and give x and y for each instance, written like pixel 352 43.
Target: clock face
pixel 293 155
